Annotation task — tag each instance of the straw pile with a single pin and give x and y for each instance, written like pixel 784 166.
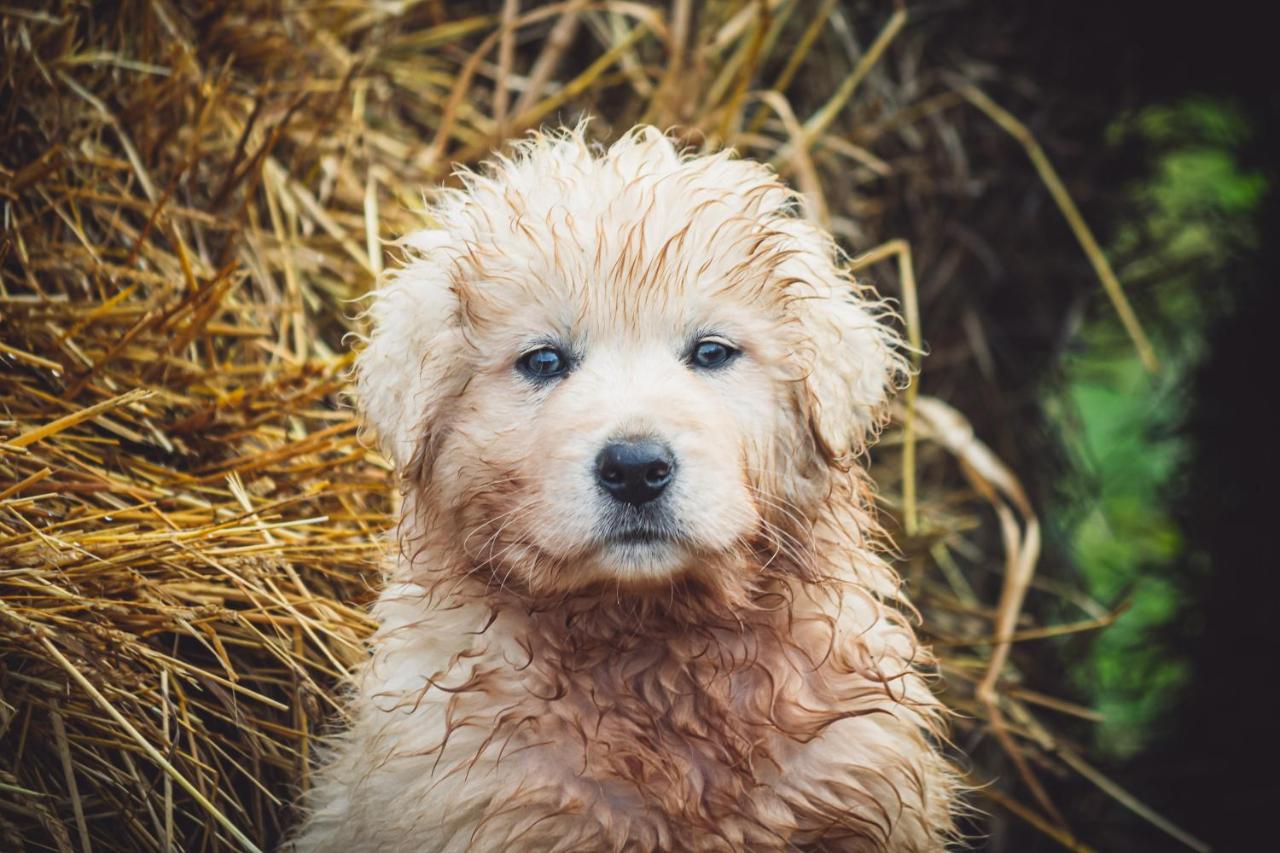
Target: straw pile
pixel 193 194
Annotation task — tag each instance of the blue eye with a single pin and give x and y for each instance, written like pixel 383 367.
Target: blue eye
pixel 709 354
pixel 543 363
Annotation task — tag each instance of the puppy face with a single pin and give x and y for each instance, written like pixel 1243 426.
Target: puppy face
pixel 620 366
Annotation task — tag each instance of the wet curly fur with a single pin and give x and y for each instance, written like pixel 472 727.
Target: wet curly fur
pixel 748 682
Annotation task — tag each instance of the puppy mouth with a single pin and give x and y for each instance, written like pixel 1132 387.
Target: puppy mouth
pixel 640 530
pixel 639 536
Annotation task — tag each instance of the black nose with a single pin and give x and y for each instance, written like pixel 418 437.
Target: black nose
pixel 634 472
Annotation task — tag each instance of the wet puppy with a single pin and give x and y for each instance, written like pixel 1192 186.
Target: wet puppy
pixel 637 602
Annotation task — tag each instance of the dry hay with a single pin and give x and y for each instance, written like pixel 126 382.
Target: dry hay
pixel 192 196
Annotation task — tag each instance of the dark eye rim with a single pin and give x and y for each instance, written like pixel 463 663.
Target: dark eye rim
pixel 524 364
pixel 731 352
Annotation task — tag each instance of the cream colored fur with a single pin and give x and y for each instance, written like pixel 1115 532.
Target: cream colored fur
pixel 751 684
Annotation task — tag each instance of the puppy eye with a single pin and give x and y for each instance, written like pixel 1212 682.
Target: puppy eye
pixel 543 363
pixel 710 353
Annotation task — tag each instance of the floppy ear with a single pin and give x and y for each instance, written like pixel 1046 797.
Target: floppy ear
pixel 851 354
pixel 403 373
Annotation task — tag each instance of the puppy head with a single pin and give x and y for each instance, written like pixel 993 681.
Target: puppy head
pixel 620 365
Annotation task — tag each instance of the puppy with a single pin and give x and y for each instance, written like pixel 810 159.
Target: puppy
pixel 637 603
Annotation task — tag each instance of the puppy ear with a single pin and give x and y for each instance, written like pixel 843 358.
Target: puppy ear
pixel 851 354
pixel 402 374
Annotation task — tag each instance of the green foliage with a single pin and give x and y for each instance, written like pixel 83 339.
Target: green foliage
pixel 1197 208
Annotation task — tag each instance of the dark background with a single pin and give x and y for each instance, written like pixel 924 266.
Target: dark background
pixel 1212 767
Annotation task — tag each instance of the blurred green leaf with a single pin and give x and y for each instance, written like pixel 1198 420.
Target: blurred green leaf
pixel 1123 426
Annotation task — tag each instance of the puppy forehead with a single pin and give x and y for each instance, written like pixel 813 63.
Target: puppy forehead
pixel 587 246
pixel 580 302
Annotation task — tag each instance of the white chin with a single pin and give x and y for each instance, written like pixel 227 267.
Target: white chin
pixel 642 561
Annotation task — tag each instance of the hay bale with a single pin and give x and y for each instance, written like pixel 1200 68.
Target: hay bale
pixel 192 198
